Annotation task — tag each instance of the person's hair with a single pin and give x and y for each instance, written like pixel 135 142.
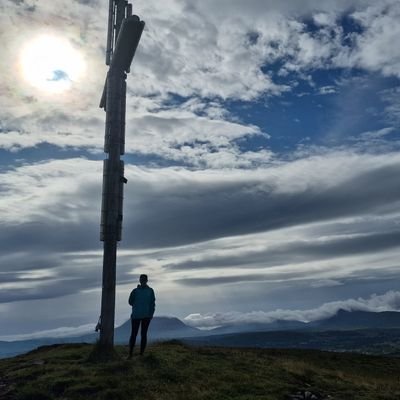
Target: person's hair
pixel 143 277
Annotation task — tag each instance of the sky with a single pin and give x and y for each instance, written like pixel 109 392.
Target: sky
pixel 262 160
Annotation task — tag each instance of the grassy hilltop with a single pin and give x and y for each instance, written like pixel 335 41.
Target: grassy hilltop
pixel 172 370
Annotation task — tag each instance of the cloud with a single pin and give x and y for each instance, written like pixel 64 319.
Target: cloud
pixel 56 190
pixel 292 253
pixel 285 216
pixel 374 47
pixel 182 136
pixel 30 116
pixel 390 97
pixel 212 205
pixel 327 90
pixel 176 206
pixel 236 61
pixel 52 333
pixel 389 301
pixel 376 134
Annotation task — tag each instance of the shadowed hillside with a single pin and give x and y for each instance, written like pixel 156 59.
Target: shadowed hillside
pixel 367 341
pixel 171 370
pixel 366 332
pixel 348 320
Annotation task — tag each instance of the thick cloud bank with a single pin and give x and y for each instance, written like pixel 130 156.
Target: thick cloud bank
pixel 197 228
pixel 389 301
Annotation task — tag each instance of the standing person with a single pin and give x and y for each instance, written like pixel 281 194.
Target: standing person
pixel 143 302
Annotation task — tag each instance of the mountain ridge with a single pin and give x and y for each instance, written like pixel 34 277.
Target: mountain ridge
pixel 167 327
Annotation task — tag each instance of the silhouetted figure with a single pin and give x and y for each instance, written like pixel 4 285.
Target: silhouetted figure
pixel 143 304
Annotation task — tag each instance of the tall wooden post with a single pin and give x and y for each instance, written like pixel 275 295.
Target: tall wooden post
pixel 124 32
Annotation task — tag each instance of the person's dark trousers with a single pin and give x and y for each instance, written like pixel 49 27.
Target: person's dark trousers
pixel 145 322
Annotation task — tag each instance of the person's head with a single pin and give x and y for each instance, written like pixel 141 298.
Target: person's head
pixel 143 279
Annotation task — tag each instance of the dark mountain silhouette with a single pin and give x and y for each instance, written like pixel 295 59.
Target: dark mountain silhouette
pixel 160 328
pixel 349 320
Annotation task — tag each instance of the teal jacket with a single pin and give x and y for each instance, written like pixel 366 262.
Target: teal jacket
pixel 143 302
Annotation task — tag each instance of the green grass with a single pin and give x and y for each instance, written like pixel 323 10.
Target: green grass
pixel 172 370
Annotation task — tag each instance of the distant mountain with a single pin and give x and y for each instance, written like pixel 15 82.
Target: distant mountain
pixel 350 320
pixel 292 333
pixel 342 320
pixel 160 328
pixel 10 349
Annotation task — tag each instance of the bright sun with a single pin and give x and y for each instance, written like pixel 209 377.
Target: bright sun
pixel 51 64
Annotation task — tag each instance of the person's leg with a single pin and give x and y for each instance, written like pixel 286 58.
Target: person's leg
pixel 143 334
pixel 135 328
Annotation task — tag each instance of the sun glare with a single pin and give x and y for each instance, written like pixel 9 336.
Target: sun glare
pixel 51 64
